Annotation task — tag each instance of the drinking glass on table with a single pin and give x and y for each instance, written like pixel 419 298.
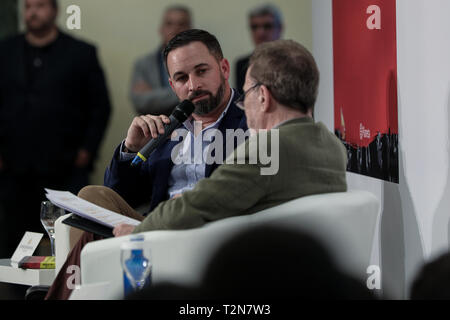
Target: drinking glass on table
pixel 49 214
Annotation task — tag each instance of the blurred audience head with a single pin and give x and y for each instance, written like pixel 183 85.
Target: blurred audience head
pixel 292 83
pixel 176 18
pixel 268 262
pixel 271 262
pixel 40 15
pixel 433 280
pixel 197 70
pixel 266 24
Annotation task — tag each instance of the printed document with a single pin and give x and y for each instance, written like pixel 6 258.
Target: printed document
pixel 88 210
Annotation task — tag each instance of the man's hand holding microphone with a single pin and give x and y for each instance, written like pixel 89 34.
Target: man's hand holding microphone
pixel 143 129
pixel 148 132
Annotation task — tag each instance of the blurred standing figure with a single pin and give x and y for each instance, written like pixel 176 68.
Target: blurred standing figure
pixel 54 108
pixel 150 91
pixel 266 24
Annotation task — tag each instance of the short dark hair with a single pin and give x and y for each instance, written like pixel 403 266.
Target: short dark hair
pixel 186 37
pixel 289 71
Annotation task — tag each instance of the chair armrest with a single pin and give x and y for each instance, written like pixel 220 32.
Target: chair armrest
pixel 62 242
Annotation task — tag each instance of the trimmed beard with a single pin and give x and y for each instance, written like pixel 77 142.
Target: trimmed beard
pixel 205 106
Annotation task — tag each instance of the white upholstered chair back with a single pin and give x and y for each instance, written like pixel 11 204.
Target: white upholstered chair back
pixel 344 222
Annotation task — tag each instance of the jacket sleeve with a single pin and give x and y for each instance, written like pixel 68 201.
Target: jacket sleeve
pixel 133 184
pixel 233 189
pixel 98 104
pixel 159 100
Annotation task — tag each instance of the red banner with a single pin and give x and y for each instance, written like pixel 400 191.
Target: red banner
pixel 365 70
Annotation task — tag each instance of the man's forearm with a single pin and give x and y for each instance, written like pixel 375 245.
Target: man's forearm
pixel 230 191
pixel 126 180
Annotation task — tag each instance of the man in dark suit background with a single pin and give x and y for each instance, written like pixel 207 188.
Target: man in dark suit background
pixel 266 24
pixel 54 109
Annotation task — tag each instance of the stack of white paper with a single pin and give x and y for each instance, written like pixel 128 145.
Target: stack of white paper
pixel 88 210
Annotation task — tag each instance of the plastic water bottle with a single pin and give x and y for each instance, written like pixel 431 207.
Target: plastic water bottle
pixel 136 265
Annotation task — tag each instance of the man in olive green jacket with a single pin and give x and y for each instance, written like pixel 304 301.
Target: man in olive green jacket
pixel 311 159
pixel 316 166
pixel 305 157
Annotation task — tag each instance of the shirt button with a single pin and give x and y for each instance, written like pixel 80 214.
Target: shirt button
pixel 37 62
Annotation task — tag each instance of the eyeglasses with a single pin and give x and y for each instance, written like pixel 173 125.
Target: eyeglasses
pixel 265 26
pixel 240 101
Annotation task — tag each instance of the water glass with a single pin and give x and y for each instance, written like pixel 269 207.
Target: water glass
pixel 49 214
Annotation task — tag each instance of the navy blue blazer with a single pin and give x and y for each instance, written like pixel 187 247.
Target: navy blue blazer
pixel 150 181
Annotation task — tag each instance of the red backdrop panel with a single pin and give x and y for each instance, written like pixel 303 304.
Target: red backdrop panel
pixel 365 70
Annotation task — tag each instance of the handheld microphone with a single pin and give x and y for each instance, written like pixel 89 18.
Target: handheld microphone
pixel 179 115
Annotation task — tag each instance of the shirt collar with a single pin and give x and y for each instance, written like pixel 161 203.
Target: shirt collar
pixel 302 119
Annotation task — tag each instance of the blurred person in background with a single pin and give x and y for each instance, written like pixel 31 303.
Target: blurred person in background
pixel 150 90
pixel 433 280
pixel 54 109
pixel 266 24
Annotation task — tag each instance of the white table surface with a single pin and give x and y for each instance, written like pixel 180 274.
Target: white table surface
pixel 30 277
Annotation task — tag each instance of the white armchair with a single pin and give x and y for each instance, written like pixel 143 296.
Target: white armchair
pixel 66 237
pixel 344 222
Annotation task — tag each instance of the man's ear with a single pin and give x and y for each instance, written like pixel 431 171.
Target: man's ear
pixel 265 98
pixel 225 68
pixel 171 84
